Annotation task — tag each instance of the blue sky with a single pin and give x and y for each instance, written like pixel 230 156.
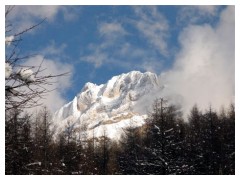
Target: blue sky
pixel 98 42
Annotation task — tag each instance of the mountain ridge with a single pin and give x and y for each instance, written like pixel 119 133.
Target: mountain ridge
pixel 108 107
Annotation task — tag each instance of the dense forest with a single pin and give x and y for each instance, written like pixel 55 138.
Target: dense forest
pixel 167 144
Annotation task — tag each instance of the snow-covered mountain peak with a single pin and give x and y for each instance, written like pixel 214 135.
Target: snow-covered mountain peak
pixel 88 86
pixel 111 106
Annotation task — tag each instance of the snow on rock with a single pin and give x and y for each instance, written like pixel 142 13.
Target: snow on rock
pixel 8 40
pixel 8 70
pixel 109 107
pixel 67 110
pixel 26 75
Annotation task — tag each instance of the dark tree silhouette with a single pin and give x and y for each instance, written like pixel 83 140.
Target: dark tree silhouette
pixel 164 137
pixel 18 143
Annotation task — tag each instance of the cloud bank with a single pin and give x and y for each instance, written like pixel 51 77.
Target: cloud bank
pixel 203 71
pixel 55 99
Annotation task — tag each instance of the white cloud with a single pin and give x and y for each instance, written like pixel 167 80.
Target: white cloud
pixel 111 29
pixel 97 58
pixel 193 14
pixel 111 34
pixel 124 55
pixel 71 13
pixel 53 49
pixel 154 26
pixel 115 49
pixel 130 52
pixel 203 72
pixel 151 65
pixel 25 16
pixel 55 99
pixel 36 11
pixel 208 9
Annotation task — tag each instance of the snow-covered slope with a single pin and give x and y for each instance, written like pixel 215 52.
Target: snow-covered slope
pixel 109 107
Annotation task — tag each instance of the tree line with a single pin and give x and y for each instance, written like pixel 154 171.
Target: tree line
pixel 165 144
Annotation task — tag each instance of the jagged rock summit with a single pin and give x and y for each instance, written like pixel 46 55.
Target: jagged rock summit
pixel 110 107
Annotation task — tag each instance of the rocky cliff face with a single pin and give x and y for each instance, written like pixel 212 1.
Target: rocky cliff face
pixel 109 107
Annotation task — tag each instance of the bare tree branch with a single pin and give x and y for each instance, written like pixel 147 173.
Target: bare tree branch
pixel 24 92
pixel 30 28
